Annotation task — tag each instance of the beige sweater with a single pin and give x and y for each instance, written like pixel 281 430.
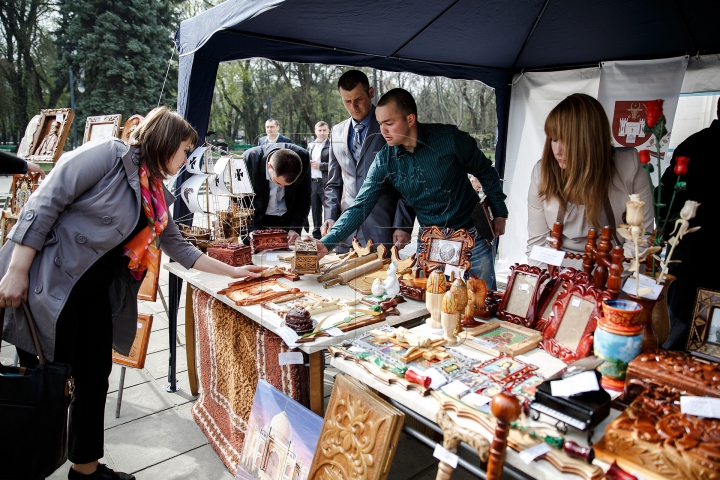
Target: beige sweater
pixel 629 178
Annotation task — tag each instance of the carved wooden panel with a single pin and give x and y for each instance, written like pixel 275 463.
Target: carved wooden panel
pixel 519 302
pixel 102 126
pixel 130 126
pixel 51 134
pixel 269 239
pixel 443 246
pixel 138 351
pixel 258 293
pixel 29 140
pixel 22 187
pixel 569 334
pixel 359 436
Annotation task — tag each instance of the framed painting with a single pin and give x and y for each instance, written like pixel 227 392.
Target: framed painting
pixel 50 135
pixel 445 246
pixel 519 302
pixel 504 370
pixel 103 126
pixel 557 284
pixel 130 126
pixel 138 351
pixel 22 187
pixel 704 338
pixel 570 332
pixel 496 338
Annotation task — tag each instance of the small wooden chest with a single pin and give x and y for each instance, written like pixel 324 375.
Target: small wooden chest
pixel 305 259
pixel 270 239
pixel 231 253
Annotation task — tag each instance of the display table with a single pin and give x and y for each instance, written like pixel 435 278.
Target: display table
pixel 426 407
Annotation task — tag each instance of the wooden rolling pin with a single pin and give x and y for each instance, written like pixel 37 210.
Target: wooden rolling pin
pixel 344 277
pixel 352 264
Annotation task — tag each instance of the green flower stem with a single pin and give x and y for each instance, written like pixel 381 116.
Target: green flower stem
pixel 672 200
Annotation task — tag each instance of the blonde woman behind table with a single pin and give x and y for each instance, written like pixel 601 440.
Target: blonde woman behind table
pixel 581 180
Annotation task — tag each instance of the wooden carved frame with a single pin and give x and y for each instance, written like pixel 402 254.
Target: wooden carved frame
pixel 138 351
pixel 532 340
pixel 427 258
pixel 48 117
pixel 130 125
pixel 22 187
pixel 6 224
pixel 149 286
pixel 522 275
pixel 564 311
pixel 700 342
pixel 559 281
pixel 102 126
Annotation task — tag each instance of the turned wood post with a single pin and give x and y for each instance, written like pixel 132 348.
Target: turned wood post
pixel 506 409
pixel 590 251
pixel 555 241
pixel 614 282
pixel 602 258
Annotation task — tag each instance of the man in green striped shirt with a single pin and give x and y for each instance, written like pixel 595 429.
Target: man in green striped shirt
pixel 428 164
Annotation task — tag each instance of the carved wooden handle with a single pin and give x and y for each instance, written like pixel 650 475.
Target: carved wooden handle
pixel 371 267
pixel 506 409
pixel 329 275
pixel 419 379
pixel 576 451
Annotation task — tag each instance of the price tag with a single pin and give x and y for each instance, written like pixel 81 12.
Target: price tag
pixel 139 325
pixel 700 406
pixel 290 358
pixel 271 256
pixel 575 302
pixel 459 272
pixel 476 399
pixel 445 456
pixel 59 117
pixel 547 255
pixel 288 335
pixel 456 388
pixel 532 453
pixel 438 379
pixel 334 332
pixel 646 283
pixel 355 349
pixel 582 382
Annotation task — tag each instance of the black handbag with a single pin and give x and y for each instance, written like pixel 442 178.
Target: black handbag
pixel 33 414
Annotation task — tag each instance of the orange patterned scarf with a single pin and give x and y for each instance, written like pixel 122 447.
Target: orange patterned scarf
pixel 142 249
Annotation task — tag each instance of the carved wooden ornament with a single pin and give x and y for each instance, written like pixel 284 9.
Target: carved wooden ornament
pixel 22 187
pixel 445 246
pixel 359 436
pixel 519 302
pixel 8 221
pixel 130 126
pixel 103 126
pixel 258 293
pixel 51 135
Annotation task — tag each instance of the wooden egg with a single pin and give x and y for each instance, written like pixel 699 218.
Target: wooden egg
pixel 449 303
pixel 459 288
pixel 435 282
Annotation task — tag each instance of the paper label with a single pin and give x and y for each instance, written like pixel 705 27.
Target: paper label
pixel 139 325
pixel 575 302
pixel 700 406
pixel 290 358
pixel 438 379
pixel 532 453
pixel 547 255
pixel 459 272
pixel 288 335
pixel 582 382
pixel 355 349
pixel 524 287
pixel 271 256
pixel 334 332
pixel 456 388
pixel 476 399
pixel 445 456
pixel 59 117
pixel 645 282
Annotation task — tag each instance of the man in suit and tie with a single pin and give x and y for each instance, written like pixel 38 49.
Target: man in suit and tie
pixel 319 152
pixel 280 174
pixel 272 128
pixel 355 142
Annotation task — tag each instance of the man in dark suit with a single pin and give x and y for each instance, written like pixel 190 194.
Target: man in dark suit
pixel 272 128
pixel 355 142
pixel 280 174
pixel 319 152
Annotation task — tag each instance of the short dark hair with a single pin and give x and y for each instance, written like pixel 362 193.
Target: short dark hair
pixel 286 164
pixel 158 137
pixel 273 120
pixel 403 99
pixel 351 79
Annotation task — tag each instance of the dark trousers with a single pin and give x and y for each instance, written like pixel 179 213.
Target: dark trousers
pixel 317 199
pixel 83 338
pixel 276 221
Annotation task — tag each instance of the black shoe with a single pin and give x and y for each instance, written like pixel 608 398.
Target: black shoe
pixel 102 473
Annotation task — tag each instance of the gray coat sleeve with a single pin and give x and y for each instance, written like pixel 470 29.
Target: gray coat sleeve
pixel 176 247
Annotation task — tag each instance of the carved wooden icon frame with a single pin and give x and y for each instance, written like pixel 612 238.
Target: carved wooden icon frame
pixel 570 333
pixel 519 302
pixel 138 351
pixel 28 141
pixel 558 283
pixel 130 126
pixel 443 246
pixel 48 117
pixel 22 187
pixel 6 224
pixel 704 338
pixel 514 346
pixel 102 126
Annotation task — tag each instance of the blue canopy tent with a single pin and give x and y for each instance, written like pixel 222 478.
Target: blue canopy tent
pixel 484 40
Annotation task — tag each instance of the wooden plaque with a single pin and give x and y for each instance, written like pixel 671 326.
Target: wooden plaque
pixel 496 338
pixel 130 126
pixel 103 126
pixel 704 338
pixel 445 246
pixel 51 134
pixel 569 334
pixel 519 302
pixel 359 436
pixel 22 187
pixel 138 351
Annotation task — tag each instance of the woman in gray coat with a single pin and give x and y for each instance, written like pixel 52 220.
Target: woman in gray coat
pixel 78 254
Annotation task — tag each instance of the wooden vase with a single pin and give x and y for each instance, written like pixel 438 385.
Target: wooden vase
pixel 449 322
pixel 660 318
pixel 433 302
pixel 644 319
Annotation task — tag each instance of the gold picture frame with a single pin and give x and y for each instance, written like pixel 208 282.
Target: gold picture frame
pixel 102 126
pixel 50 136
pixel 704 338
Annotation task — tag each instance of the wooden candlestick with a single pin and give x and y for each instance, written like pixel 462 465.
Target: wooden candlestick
pixel 506 409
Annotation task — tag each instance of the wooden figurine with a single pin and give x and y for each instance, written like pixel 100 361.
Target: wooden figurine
pixel 269 239
pixel 459 288
pixel 449 316
pixel 434 291
pixel 476 293
pixel 233 254
pixel 390 287
pixel 305 259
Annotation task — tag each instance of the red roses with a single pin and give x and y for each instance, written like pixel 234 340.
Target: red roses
pixel 644 156
pixel 680 165
pixel 654 112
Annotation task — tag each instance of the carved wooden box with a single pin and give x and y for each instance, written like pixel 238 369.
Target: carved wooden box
pixel 270 239
pixel 359 436
pixel 655 439
pixel 305 259
pixel 231 253
pixel 675 370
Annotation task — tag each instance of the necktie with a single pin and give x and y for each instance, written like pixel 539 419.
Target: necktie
pixel 357 144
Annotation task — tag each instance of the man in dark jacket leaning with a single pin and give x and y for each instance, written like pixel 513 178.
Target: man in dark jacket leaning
pixel 280 175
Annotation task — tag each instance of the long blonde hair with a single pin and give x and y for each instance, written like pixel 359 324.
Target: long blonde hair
pixel 582 125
